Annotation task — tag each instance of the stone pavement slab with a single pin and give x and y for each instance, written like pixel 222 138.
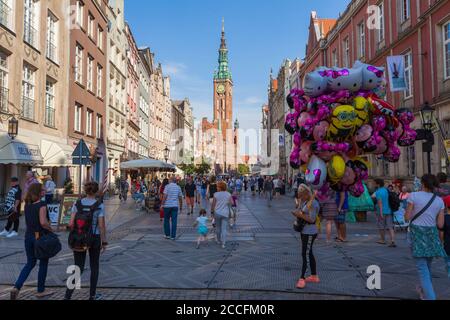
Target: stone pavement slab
pixel 262 259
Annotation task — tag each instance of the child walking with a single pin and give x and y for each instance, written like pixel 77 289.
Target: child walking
pixel 234 208
pixel 202 228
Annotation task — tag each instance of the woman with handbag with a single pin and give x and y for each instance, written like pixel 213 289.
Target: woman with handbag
pixel 221 210
pixel 37 222
pixel 306 224
pixel 426 214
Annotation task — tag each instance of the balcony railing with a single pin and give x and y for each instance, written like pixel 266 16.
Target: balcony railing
pixel 30 34
pixel 4 96
pixel 5 14
pixel 49 118
pixel 28 108
pixel 51 51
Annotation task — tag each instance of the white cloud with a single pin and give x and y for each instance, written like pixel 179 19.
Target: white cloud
pixel 253 100
pixel 175 69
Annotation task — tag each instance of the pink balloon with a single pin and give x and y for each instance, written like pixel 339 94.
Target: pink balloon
pixel 297 139
pixel 304 116
pixel 305 152
pixel 379 123
pixel 349 176
pixel 392 154
pixel 364 134
pixel 408 138
pixel 321 130
pixel 381 147
pixel 357 190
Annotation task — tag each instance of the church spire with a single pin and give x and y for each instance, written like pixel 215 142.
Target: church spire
pixel 223 73
pixel 223 44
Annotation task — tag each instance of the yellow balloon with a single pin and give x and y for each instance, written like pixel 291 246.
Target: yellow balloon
pixel 336 169
pixel 343 123
pixel 362 107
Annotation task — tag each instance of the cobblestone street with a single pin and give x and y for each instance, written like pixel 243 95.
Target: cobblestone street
pixel 261 262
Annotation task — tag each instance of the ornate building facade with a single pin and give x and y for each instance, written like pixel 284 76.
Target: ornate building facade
pixel 34 82
pixel 132 146
pixel 116 114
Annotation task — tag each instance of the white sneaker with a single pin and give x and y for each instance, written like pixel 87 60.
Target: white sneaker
pixel 12 234
pixel 4 233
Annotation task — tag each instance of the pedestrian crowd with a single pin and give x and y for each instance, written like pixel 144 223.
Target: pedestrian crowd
pixel 425 212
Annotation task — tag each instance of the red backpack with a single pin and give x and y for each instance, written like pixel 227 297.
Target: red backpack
pixel 81 236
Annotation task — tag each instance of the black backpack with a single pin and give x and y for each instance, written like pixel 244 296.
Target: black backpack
pixel 81 236
pixel 394 201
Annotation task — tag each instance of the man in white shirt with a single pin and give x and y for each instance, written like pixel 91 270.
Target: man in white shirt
pixel 50 187
pixel 172 203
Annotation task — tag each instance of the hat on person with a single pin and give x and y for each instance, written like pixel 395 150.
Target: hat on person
pixel 14 179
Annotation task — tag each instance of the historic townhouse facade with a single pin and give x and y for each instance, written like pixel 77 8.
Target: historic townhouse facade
pixel 87 90
pixel 178 152
pixel 279 89
pixel 167 132
pixel 144 71
pixel 183 128
pixel 157 109
pixel 34 81
pixel 132 146
pixel 116 87
pixel 418 30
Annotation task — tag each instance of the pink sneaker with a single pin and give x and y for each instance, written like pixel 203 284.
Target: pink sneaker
pixel 301 284
pixel 313 279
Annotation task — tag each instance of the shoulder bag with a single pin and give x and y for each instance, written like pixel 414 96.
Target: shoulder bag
pixel 418 215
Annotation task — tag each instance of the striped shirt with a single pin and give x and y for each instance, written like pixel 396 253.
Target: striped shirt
pixel 173 193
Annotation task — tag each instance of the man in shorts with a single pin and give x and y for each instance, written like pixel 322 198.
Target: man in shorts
pixel 384 213
pixel 190 190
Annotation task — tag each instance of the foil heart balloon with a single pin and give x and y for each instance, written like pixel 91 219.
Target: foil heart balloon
pixel 297 139
pixel 392 154
pixel 408 137
pixel 295 159
pixel 291 123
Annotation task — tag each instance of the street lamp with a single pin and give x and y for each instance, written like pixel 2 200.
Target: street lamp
pixel 166 154
pixel 13 128
pixel 427 116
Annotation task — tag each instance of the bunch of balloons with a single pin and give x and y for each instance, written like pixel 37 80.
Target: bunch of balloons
pixel 337 117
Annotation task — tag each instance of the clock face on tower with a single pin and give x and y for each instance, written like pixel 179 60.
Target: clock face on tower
pixel 220 89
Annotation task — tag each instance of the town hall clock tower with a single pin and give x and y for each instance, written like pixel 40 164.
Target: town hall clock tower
pixel 223 107
pixel 223 90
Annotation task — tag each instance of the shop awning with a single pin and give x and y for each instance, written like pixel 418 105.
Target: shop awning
pixel 150 164
pixel 56 154
pixel 22 150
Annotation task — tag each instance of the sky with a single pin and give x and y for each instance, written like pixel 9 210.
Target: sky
pixel 185 37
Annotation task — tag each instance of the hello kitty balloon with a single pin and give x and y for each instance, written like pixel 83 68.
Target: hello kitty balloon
pixel 372 77
pixel 315 84
pixel 341 79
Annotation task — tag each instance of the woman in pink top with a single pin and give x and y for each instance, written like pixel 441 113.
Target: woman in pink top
pixel 404 196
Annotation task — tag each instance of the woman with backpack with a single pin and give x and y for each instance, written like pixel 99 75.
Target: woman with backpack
pixel 37 222
pixel 426 214
pixel 88 235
